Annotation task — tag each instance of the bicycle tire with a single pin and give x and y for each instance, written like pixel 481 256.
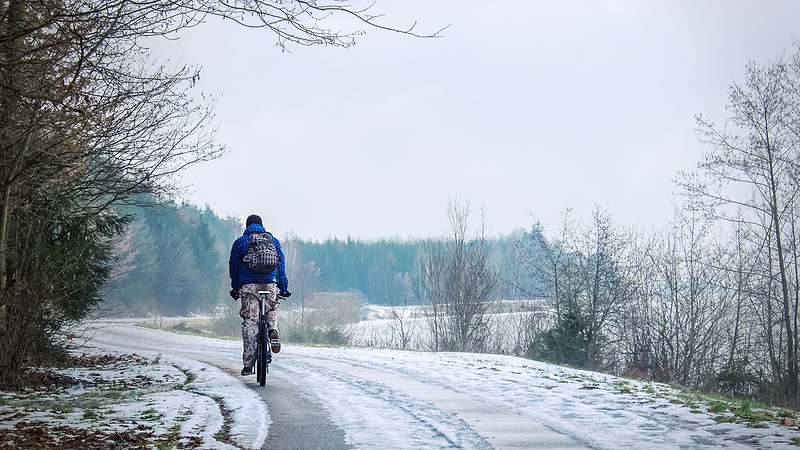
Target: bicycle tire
pixel 261 354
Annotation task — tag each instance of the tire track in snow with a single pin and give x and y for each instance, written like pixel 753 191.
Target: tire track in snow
pixel 495 424
pixel 375 410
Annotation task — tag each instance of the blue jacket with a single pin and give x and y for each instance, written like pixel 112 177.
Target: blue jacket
pixel 241 275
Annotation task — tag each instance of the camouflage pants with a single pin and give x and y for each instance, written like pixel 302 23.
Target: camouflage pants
pixel 249 314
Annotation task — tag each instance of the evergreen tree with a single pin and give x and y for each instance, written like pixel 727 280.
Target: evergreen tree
pixel 176 258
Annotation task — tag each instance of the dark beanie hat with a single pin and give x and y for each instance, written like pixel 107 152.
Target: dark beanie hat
pixel 253 219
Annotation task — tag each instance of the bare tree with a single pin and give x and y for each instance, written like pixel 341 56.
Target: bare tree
pixel 545 260
pixel 399 298
pixel 458 285
pixel 305 285
pixel 585 278
pixel 634 351
pixel 602 287
pixel 743 331
pixel 692 308
pixel 750 177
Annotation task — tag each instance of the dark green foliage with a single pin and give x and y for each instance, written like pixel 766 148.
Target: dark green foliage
pixel 174 261
pixel 565 343
pixel 59 259
pixel 86 124
pixel 356 265
pixel 737 380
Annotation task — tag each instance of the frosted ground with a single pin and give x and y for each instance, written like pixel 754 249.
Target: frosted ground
pixel 378 327
pixel 376 396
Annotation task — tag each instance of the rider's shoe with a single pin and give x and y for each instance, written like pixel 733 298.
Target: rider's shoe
pixel 274 342
pixel 247 371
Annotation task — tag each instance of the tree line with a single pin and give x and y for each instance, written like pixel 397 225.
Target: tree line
pixel 172 259
pixel 365 265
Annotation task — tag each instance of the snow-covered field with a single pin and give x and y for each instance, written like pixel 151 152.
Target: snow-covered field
pixel 407 327
pixel 393 399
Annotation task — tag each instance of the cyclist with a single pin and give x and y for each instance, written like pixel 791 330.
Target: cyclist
pixel 246 283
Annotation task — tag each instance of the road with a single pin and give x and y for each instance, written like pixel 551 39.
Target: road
pixel 331 403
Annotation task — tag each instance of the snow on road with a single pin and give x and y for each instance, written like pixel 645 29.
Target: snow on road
pixel 394 399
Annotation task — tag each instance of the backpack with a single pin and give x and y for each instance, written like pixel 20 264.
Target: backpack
pixel 261 256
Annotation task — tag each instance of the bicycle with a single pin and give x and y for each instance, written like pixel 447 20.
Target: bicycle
pixel 263 341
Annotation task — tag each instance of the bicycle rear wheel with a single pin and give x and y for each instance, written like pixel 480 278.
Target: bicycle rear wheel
pixel 262 354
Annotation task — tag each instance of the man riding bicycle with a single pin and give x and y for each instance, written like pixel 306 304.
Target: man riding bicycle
pixel 255 266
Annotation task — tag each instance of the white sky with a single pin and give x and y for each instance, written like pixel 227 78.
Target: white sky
pixel 524 106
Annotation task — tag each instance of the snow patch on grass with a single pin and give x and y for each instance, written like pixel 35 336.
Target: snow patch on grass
pixel 130 400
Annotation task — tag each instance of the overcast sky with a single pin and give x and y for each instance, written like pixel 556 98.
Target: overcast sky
pixel 526 107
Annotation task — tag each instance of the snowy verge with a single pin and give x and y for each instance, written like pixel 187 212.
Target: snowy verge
pixel 120 399
pixel 249 416
pixel 598 410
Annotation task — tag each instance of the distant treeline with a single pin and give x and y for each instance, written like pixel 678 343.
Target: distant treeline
pixel 173 260
pixel 366 266
pixel 357 265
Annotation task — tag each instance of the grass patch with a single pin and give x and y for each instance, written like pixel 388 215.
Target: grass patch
pixel 151 414
pixel 63 409
pixel 168 440
pixel 717 406
pixel 623 386
pixel 749 413
pixel 91 414
pixel 752 413
pixel 95 406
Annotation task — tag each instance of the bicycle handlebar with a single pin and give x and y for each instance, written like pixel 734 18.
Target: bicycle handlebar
pixel 281 296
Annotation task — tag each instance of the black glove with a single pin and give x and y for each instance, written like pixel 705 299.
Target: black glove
pixel 285 294
pixel 235 294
